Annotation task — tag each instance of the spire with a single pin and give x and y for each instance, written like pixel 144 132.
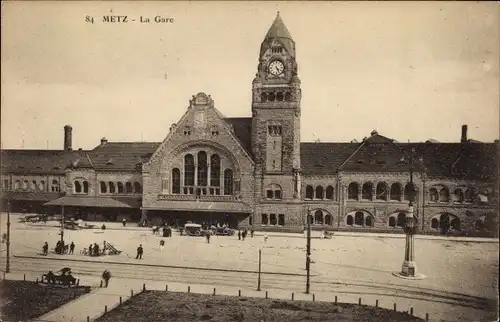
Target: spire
pixel 278 29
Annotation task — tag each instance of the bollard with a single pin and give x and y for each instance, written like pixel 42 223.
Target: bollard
pixel 239 292
pixel 376 303
pixel 266 294
pixel 314 298
pixel 394 306
pixel 24 277
pixel 214 290
pixel 359 301
pixel 335 299
pixel 120 300
pixel 189 289
pixel 166 288
pixel 411 311
pixel 101 284
pixel 143 287
pixel 105 309
pixel 292 296
pixel 131 293
pixel 427 316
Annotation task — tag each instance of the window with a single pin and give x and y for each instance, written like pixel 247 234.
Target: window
pixel 6 184
pixel 396 192
pixel 202 169
pixel 279 96
pixel 328 220
pixel 41 185
pixel 270 97
pixel 433 195
pixel 215 170
pixel 367 191
pixel 469 196
pixel 228 182
pixel 176 181
pixel 263 97
pixel 359 218
pixel 215 130
pixel 349 220
pixel 309 192
pixel 392 222
pixel 17 185
pixel 189 170
pixel 250 220
pixel 319 192
pixel 77 187
pixel 444 195
pixel 273 192
pixel 455 224
pixel 33 185
pixel 264 219
pixel 434 223
pixel 458 196
pixel 401 219
pixel 25 185
pixel 329 192
pixel 119 186
pixel 103 186
pixel 288 96
pixel 318 217
pixel 111 187
pixel 273 220
pixel 187 130
pixel 381 193
pixel 128 187
pixel 138 187
pixel 55 186
pixel 352 191
pixel 274 130
pixel 85 187
pixel 368 221
pixel 281 220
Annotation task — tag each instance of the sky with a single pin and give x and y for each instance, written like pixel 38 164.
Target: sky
pixel 411 70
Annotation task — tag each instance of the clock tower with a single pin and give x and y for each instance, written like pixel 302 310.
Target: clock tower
pixel 276 98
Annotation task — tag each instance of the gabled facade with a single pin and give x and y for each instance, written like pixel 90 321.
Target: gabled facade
pixel 255 172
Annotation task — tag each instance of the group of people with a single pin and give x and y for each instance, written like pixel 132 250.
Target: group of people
pixel 243 234
pixel 95 250
pixel 60 248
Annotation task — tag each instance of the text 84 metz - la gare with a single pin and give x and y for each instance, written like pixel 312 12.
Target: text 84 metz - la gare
pixel 125 19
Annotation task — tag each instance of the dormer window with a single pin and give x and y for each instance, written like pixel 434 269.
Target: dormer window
pixel 187 130
pixel 215 130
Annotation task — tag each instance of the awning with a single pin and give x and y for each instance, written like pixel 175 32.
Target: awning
pixel 207 206
pixel 99 202
pixel 30 195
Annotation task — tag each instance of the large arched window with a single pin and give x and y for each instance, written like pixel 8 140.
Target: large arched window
pixel 352 191
pixel 103 187
pixel 309 192
pixel 176 181
pixel 381 191
pixel 128 187
pixel 396 192
pixel 137 187
pixel 77 187
pixel 328 220
pixel 202 169
pixel 228 182
pixel 119 186
pixel 85 187
pixel 349 220
pixel 215 170
pixel 189 170
pixel 367 191
pixel 329 193
pixel 55 186
pixel 444 195
pixel 318 217
pixel 111 187
pixel 319 192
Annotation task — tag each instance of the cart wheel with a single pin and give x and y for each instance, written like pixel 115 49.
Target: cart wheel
pixel 197 233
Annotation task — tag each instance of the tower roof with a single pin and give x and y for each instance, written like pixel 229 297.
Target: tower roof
pixel 278 29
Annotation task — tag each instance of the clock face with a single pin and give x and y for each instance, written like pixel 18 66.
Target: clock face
pixel 276 67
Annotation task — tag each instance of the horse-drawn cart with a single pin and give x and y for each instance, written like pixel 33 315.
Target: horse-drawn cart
pixel 62 277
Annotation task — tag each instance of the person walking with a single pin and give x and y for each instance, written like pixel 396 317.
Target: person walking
pixel 251 232
pixel 208 237
pixel 162 245
pixel 140 250
pixel 239 234
pixel 124 222
pixel 265 238
pixel 45 249
pixel 106 276
pixel 72 248
pixel 91 250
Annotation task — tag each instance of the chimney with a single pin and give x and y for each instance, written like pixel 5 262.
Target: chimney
pixel 463 139
pixel 104 141
pixel 67 138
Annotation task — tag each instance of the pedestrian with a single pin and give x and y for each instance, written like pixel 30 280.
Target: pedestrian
pixel 124 222
pixel 265 238
pixel 96 249
pixel 251 232
pixel 45 249
pixel 162 244
pixel 140 250
pixel 243 234
pixel 106 275
pixel 239 234
pixel 91 250
pixel 208 237
pixel 72 248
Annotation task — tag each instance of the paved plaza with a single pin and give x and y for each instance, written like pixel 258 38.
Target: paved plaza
pixel 457 273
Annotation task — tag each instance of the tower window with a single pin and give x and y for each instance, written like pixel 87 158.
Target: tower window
pixel 215 130
pixel 274 130
pixel 273 192
pixel 263 97
pixel 288 96
pixel 279 96
pixel 271 97
pixel 187 130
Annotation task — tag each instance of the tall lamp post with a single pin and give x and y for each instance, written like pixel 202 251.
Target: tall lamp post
pixel 7 259
pixel 409 267
pixel 308 251
pixel 61 250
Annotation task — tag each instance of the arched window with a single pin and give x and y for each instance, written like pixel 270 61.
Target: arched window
pixel 433 195
pixel 469 196
pixel 396 191
pixel 77 187
pixel 409 192
pixel 279 96
pixel 215 170
pixel 55 186
pixel 328 220
pixel 318 217
pixel 189 170
pixel 479 225
pixel 85 187
pixel 271 97
pixel 352 191
pixel 458 196
pixel 264 219
pixel 273 191
pixel 319 192
pixel 228 182
pixel 381 191
pixel 128 187
pixel 359 217
pixel 33 185
pixel 263 97
pixel 103 186
pixel 273 220
pixel 455 224
pixel 17 185
pixel 111 187
pixel 138 187
pixel 392 222
pixel 349 220
pixel 401 219
pixel 25 185
pixel 434 223
pixel 368 221
pixel 119 186
pixel 176 181
pixel 202 169
pixel 288 96
pixel 309 192
pixel 444 195
pixel 367 191
pixel 329 193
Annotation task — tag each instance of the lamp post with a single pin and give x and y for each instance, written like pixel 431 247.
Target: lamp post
pixel 7 259
pixel 409 267
pixel 62 228
pixel 308 252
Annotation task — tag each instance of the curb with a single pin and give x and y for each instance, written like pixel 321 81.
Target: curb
pixel 164 266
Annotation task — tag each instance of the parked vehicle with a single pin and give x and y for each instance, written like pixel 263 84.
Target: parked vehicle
pixel 220 231
pixel 193 230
